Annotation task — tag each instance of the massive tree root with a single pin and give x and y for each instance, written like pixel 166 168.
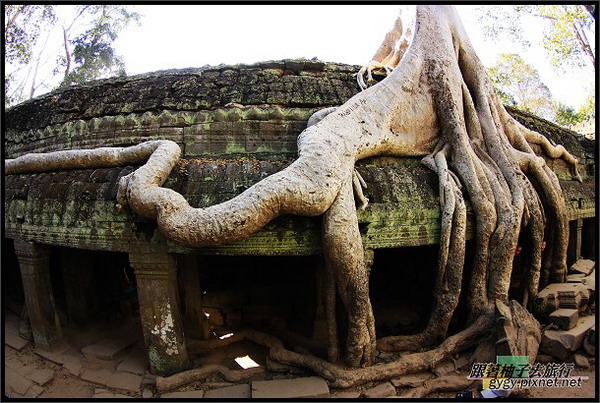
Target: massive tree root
pixel 436 102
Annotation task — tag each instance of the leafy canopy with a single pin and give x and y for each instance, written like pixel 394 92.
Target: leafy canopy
pixel 519 84
pixel 48 46
pixel 568 36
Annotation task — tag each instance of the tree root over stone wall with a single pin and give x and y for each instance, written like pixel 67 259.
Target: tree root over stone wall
pixel 438 103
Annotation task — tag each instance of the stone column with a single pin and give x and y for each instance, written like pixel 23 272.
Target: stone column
pixel 574 248
pixel 34 262
pixel 578 228
pixel 156 276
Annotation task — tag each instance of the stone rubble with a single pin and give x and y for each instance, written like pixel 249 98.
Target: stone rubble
pixel 567 313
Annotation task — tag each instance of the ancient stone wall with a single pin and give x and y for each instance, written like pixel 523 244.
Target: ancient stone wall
pixel 236 125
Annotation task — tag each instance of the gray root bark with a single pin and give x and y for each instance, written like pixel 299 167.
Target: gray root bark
pixel 436 102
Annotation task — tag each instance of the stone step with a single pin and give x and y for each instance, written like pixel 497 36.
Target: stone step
pixel 562 343
pixel 382 390
pixel 303 388
pixel 564 318
pixel 584 266
pixel 560 295
pixel 109 348
pixel 187 394
pixel 589 343
pixel 241 391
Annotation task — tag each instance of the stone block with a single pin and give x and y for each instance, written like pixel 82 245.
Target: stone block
pixel 241 391
pixel 15 341
pixel 560 295
pixel 584 266
pixel 56 355
pixel 103 395
pixel 303 388
pixel 73 365
pixel 188 394
pixel 562 343
pixel 565 318
pixel 412 380
pixel 124 380
pixel 34 391
pixel 147 393
pixel 136 363
pixel 15 382
pixel 575 278
pixel 581 361
pixel 589 343
pixel 590 283
pixel 99 376
pixel 41 376
pixel 109 347
pixel 382 390
pixel 346 394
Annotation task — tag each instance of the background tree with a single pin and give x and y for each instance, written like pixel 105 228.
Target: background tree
pixel 22 27
pixel 519 84
pixel 49 46
pixel 568 116
pixel 567 29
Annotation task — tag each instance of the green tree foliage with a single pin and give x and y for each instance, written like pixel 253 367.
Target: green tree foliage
pixel 567 29
pixel 57 45
pixel 568 116
pixel 22 27
pixel 519 84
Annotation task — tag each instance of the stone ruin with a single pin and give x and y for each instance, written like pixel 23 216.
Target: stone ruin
pixel 71 258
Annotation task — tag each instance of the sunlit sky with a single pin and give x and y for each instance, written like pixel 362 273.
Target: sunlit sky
pixel 180 36
pixel 197 35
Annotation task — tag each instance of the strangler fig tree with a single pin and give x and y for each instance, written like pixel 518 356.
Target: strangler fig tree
pixel 436 103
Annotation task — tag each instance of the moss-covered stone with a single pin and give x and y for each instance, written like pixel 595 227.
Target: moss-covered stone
pixel 236 125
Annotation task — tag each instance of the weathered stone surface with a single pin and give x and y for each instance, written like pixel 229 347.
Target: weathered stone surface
pixel 303 388
pixel 188 394
pixel 135 362
pixel 73 365
pixel 124 380
pixel 581 361
pixel 41 376
pixel 560 295
pixel 382 390
pixel 109 347
pixel 562 343
pixel 544 358
pixel 16 382
pixel 412 380
pixel 575 278
pixel 241 391
pixel 15 341
pixel 12 337
pixel 34 265
pixel 34 391
pixel 222 121
pixel 584 266
pixel 102 394
pixel 346 394
pixel 565 318
pixel 589 343
pixel 99 376
pixel 57 355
